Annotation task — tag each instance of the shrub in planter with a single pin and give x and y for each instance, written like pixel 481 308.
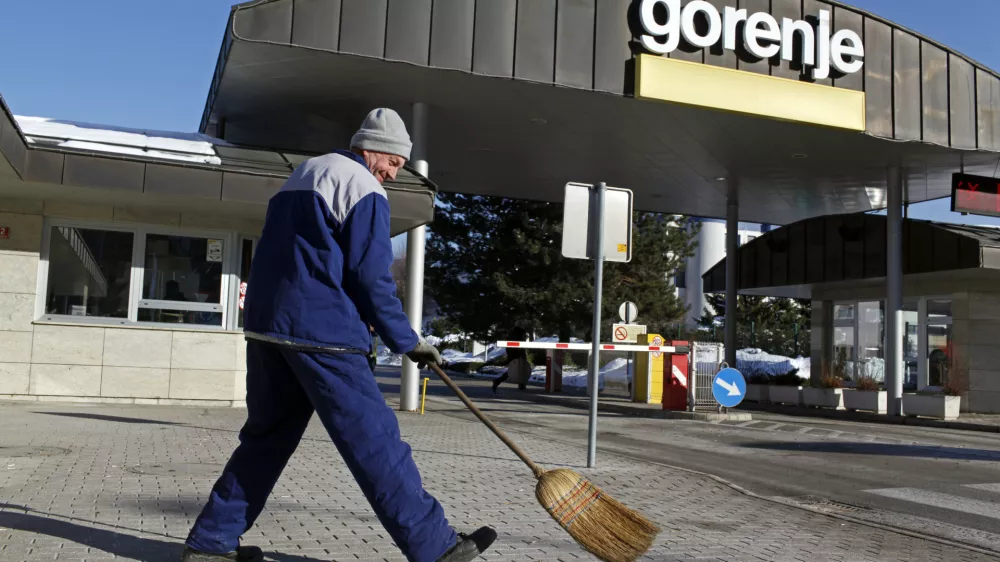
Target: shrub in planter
pixel 867 395
pixel 828 394
pixel 867 384
pixel 788 379
pixel 945 405
pixel 758 386
pixel 787 389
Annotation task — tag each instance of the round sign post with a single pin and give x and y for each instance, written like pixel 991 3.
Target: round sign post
pixel 729 388
pixel 628 312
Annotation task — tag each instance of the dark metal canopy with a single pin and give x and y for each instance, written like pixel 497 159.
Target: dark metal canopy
pixel 853 248
pixel 231 179
pixel 526 95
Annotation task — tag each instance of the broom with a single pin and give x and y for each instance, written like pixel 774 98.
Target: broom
pixel 601 524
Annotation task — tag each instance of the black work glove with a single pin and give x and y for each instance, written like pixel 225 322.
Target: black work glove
pixel 425 353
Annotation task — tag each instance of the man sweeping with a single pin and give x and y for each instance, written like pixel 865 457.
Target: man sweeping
pixel 320 277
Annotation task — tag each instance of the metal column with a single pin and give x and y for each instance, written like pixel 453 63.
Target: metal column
pixel 409 384
pixel 732 260
pixel 894 291
pixel 595 355
pixel 923 368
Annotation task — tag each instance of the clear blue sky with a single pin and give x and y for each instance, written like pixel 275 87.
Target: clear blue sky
pixel 148 64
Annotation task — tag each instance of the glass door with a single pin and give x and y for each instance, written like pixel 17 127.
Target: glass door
pixel 939 341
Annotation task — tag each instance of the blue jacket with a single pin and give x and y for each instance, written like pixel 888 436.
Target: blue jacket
pixel 320 273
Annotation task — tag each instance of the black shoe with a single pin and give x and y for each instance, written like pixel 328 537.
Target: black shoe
pixel 496 385
pixel 241 554
pixel 469 547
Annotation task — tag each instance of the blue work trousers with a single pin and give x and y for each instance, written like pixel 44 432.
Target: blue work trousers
pixel 284 387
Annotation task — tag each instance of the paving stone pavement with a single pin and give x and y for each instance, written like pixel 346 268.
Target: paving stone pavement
pixel 122 482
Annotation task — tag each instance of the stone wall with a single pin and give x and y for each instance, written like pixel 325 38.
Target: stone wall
pixel 976 332
pixel 69 361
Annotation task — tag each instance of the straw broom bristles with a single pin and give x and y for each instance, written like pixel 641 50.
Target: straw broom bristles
pixel 600 523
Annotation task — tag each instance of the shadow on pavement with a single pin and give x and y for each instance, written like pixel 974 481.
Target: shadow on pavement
pixel 102 417
pixel 118 544
pixel 883 449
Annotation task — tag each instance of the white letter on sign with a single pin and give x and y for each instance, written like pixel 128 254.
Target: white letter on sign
pixel 714 24
pixel 788 29
pixel 846 43
pixel 762 27
pixel 822 68
pixel 731 19
pixel 670 30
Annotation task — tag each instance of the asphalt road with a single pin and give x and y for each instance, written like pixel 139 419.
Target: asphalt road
pixel 939 482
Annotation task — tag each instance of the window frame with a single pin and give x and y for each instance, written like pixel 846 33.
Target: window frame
pixel 235 279
pixel 137 278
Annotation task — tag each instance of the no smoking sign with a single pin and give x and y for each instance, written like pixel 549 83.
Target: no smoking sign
pixel 627 333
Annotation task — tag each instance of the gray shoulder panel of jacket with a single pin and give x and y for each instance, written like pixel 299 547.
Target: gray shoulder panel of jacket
pixel 340 181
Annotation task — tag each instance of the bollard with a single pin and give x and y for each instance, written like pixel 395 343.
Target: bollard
pixel 423 396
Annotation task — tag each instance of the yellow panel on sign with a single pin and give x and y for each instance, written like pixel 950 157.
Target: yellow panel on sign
pixel 703 85
pixel 647 382
pixel 623 248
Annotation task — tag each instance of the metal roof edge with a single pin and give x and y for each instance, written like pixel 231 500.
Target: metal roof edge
pixel 918 35
pixel 971 232
pixel 230 32
pixel 426 184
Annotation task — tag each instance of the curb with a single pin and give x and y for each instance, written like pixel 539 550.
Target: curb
pixel 626 410
pixel 798 411
pixel 634 411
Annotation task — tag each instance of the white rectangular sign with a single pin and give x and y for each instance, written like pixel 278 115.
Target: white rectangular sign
pixel 214 251
pixel 627 333
pixel 579 213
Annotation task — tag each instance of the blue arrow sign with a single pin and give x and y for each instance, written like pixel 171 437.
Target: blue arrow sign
pixel 729 388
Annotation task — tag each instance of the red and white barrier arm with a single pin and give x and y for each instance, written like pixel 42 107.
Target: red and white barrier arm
pixel 587 347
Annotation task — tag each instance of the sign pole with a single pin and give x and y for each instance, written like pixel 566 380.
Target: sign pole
pixel 628 358
pixel 595 354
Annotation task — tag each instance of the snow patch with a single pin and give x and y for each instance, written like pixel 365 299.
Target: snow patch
pixel 753 362
pixel 185 147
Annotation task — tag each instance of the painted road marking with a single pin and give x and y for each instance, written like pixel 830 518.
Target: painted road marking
pixel 995 488
pixel 943 501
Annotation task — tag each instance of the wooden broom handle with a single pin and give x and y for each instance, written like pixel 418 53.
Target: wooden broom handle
pixel 537 470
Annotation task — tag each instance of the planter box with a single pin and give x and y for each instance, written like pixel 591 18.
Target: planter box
pixel 938 406
pixel 868 400
pixel 823 397
pixel 778 394
pixel 758 393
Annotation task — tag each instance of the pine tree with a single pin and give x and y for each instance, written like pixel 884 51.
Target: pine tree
pixel 769 323
pixel 660 247
pixel 494 264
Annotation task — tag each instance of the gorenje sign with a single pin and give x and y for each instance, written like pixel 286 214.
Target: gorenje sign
pixel 762 36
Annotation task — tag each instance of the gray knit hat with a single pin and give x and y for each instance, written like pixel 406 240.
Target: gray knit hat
pixel 383 131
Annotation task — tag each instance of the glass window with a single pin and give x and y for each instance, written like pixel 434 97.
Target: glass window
pixel 843 351
pixel 911 343
pixel 843 312
pixel 90 272
pixel 871 338
pixel 182 280
pixel 938 341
